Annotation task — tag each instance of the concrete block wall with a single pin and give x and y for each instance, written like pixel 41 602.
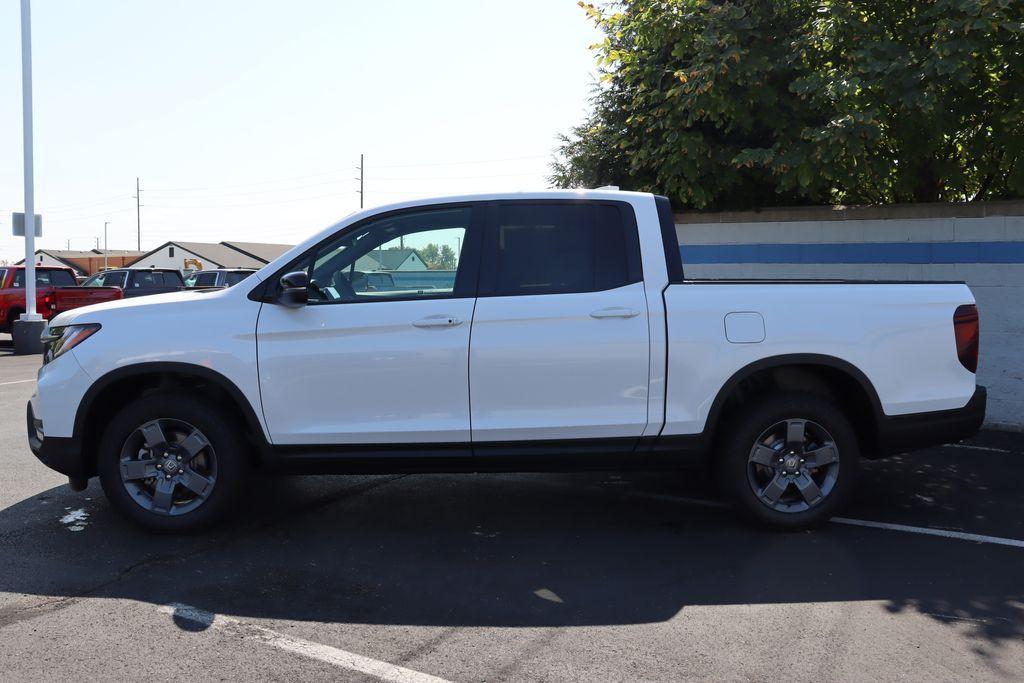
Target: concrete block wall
pixel 981 244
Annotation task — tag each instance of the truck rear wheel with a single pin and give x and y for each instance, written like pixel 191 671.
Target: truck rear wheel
pixel 789 460
pixel 171 462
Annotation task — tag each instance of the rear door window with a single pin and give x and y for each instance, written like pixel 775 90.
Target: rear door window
pixel 559 248
pixel 172 278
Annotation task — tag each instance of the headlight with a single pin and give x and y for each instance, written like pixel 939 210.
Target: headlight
pixel 60 340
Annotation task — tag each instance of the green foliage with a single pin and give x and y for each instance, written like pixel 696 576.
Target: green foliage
pixel 747 103
pixel 438 258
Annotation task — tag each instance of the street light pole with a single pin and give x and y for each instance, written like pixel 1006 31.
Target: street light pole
pixel 30 208
pixel 27 330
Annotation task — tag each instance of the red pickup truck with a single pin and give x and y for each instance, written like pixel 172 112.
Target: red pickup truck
pixel 56 292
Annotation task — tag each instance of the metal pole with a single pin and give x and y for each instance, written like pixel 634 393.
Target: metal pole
pixel 30 208
pixel 138 216
pixel 360 179
pixel 105 224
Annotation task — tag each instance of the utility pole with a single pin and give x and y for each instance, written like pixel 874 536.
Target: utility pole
pixel 360 179
pixel 69 244
pixel 97 242
pixel 138 215
pixel 105 224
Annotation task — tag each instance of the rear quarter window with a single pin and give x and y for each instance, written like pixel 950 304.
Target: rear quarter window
pixel 62 278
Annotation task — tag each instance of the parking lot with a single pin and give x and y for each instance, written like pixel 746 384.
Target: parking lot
pixel 517 577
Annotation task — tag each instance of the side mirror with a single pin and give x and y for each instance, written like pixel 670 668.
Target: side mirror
pixel 294 289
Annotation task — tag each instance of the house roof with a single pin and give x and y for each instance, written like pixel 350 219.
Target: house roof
pixel 221 254
pixel 367 263
pixel 61 254
pixel 226 254
pixel 264 252
pixel 68 256
pixel 391 259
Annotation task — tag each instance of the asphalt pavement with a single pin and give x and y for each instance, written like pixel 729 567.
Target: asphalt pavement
pixel 516 577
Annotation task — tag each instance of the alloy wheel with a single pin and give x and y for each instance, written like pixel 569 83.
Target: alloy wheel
pixel 793 465
pixel 168 466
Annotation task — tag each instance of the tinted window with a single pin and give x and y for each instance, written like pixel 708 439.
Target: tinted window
pixel 62 278
pixel 410 255
pixel 110 278
pixel 561 248
pixel 206 280
pixel 172 278
pixel 232 279
pixel 45 278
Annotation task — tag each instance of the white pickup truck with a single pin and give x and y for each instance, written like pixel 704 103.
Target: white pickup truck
pixel 565 336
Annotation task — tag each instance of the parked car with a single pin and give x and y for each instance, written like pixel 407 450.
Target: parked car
pixel 218 277
pixel 56 292
pixel 567 338
pixel 138 281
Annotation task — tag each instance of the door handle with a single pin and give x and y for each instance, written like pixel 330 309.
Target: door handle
pixel 437 321
pixel 614 312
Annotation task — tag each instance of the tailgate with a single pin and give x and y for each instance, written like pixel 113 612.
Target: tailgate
pixel 76 297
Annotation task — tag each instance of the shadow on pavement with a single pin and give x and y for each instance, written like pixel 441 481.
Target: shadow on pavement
pixel 512 550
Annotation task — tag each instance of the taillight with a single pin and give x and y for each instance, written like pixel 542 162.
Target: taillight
pixel 966 329
pixel 48 301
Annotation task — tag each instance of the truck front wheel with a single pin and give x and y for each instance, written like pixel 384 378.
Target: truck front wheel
pixel 171 462
pixel 789 460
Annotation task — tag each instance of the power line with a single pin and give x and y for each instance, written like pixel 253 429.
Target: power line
pixel 228 206
pixel 87 204
pixel 464 163
pixel 457 177
pixel 84 218
pixel 337 171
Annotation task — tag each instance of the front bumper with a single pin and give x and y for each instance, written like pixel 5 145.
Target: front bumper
pixel 903 433
pixel 62 454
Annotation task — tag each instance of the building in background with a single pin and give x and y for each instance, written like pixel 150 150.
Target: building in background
pixel 390 259
pixel 189 256
pixel 85 263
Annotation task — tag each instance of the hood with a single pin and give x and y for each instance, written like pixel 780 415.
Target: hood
pixel 96 313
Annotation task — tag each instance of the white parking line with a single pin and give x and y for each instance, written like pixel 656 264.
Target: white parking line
pixel 19 381
pixel 305 648
pixel 922 530
pixel 976 448
pixel 928 531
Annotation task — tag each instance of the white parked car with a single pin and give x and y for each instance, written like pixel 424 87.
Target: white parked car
pixel 566 337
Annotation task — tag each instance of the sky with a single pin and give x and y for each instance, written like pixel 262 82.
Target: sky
pixel 245 119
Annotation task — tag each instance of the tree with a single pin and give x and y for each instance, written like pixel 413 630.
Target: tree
pixel 438 258
pixel 747 103
pixel 429 254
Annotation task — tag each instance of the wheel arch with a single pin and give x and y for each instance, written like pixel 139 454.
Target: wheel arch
pixel 111 392
pixel 832 377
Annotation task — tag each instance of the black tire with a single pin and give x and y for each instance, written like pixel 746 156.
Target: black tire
pixel 222 433
pixel 747 483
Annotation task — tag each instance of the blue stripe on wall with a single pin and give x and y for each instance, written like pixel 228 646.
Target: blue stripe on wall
pixel 859 252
